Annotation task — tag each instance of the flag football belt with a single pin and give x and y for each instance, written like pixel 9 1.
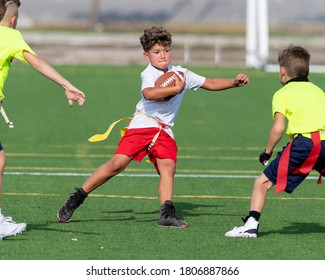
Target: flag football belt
pixel 4 115
pixel 305 168
pixel 160 124
pixel 103 136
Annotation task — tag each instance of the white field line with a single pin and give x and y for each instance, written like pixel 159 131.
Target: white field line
pixel 208 176
pixel 78 174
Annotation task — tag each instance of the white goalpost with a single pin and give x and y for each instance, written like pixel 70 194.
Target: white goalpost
pixel 257 38
pixel 257 33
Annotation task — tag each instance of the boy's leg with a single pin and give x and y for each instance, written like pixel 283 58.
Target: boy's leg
pixel 2 167
pixel 7 226
pixel 166 169
pixel 106 171
pixel 100 176
pixel 261 185
pixel 167 215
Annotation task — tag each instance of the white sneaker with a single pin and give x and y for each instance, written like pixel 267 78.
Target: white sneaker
pixel 8 227
pixel 249 230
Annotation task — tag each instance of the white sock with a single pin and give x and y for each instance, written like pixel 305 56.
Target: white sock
pixel 2 218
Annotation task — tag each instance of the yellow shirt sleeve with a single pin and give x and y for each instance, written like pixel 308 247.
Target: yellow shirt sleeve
pixel 12 45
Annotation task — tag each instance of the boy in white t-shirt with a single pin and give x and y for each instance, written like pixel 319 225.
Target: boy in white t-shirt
pixel 149 132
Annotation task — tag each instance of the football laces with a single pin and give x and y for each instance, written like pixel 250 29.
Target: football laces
pixel 167 81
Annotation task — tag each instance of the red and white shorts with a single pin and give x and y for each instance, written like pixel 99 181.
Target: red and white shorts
pixel 135 144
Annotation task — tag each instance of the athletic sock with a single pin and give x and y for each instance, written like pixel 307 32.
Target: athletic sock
pixel 256 215
pixel 2 218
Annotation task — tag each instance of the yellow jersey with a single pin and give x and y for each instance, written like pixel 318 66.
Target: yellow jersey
pixel 12 45
pixel 303 104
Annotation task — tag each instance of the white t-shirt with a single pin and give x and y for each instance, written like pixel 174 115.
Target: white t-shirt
pixel 163 111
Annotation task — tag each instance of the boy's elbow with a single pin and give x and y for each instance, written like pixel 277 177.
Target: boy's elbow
pixel 279 130
pixel 147 95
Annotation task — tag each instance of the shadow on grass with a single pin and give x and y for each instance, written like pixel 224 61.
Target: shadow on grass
pixel 183 210
pixel 48 227
pixel 298 228
pixel 186 209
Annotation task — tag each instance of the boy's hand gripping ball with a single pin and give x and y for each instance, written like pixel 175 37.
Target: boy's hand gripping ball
pixel 168 79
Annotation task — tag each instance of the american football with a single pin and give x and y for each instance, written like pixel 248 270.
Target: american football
pixel 167 79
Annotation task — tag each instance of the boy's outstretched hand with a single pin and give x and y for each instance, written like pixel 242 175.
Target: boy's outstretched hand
pixel 74 94
pixel 241 80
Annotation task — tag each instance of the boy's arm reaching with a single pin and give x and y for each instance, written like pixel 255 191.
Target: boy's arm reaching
pixel 221 84
pixel 275 136
pixel 275 132
pixel 71 92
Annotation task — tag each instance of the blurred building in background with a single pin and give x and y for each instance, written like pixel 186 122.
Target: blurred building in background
pixel 205 32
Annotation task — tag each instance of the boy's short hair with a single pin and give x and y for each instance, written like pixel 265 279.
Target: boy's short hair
pixel 155 35
pixel 4 3
pixel 17 2
pixel 295 60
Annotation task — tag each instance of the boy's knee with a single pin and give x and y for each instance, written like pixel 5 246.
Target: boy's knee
pixel 117 164
pixel 263 182
pixel 166 166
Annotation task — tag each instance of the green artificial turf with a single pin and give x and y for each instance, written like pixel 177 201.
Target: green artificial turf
pixel 219 136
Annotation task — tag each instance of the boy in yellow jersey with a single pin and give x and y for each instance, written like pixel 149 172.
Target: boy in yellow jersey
pixel 12 45
pixel 303 104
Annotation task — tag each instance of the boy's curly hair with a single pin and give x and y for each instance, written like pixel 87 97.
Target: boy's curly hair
pixel 155 35
pixel 4 3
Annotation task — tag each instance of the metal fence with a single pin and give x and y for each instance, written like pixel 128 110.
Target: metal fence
pixel 206 32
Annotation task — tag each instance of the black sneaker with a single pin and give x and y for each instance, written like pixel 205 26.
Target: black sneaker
pixel 168 218
pixel 70 205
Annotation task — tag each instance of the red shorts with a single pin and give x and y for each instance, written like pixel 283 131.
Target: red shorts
pixel 135 144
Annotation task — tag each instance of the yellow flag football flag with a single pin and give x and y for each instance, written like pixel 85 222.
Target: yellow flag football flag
pixel 101 137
